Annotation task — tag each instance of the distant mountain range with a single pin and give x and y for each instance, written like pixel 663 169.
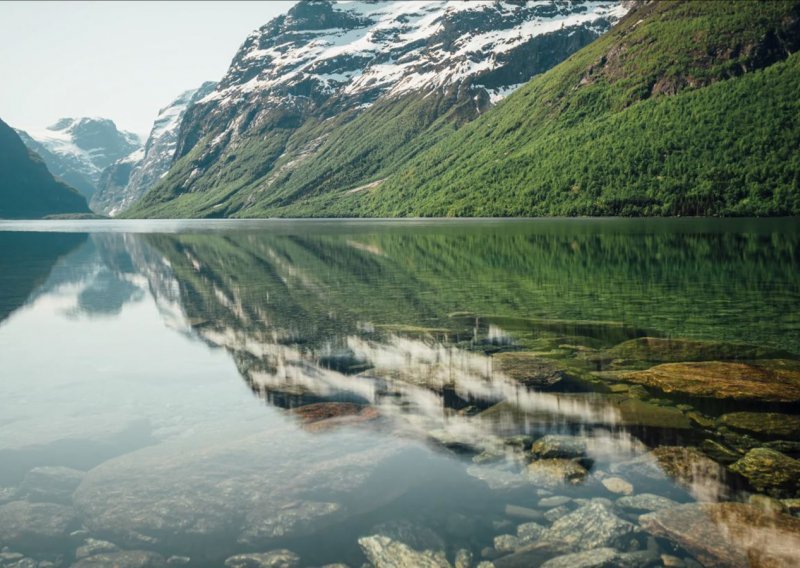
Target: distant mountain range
pixel 77 150
pixel 27 188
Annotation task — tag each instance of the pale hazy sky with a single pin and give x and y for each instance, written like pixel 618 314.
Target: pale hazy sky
pixel 120 60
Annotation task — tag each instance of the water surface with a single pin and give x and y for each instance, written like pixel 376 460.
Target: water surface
pixel 229 387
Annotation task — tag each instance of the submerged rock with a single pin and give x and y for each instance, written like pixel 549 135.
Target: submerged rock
pixel 729 534
pixel 123 559
pixel 635 412
pixel 765 381
pixel 530 531
pixel 554 446
pixel 529 369
pixel 51 484
pixel 768 425
pixel 92 546
pixel 414 535
pixel 274 559
pixel 691 469
pixel 770 472
pixel 36 526
pixel 617 485
pixel 590 526
pixel 554 473
pixel 321 416
pixel 718 452
pixel 249 490
pixel 383 552
pixel 645 502
pixel 663 350
pixel 595 558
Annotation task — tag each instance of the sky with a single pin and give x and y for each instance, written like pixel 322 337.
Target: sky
pixel 118 60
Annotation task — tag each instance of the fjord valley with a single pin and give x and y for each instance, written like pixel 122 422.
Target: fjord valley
pixel 403 284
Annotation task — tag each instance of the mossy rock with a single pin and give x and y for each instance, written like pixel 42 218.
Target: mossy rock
pixel 763 381
pixel 718 452
pixel 662 350
pixel 768 425
pixel 634 412
pixel 770 472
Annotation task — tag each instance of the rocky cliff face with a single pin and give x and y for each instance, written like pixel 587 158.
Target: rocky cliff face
pixel 77 150
pixel 298 82
pixel 125 181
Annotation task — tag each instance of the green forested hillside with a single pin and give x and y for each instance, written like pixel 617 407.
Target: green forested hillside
pixel 686 108
pixel 683 108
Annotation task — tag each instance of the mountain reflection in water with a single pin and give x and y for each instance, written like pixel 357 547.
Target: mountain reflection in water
pixel 501 365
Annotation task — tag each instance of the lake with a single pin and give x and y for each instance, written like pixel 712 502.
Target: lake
pixel 563 392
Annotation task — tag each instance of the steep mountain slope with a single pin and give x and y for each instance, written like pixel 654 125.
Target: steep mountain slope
pixel 126 180
pixel 27 189
pixel 333 95
pixel 77 150
pixel 684 108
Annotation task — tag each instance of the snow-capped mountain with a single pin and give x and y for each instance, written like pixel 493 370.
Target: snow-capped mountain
pixel 124 182
pixel 296 84
pixel 77 150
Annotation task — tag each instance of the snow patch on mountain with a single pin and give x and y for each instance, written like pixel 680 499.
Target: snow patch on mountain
pixel 77 150
pixel 386 46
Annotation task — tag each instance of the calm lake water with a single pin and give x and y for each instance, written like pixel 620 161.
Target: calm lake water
pixel 410 393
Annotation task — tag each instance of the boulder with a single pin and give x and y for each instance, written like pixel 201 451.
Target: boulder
pixel 729 534
pixel 596 558
pixel 383 552
pixel 554 473
pixel 617 485
pixel 93 546
pixel 555 446
pixel 763 381
pixel 770 472
pixel 767 425
pixel 590 526
pixel 645 502
pixel 529 369
pixel 281 558
pixel 51 484
pixel 123 559
pixel 691 469
pixel 635 412
pixel 530 531
pixel 416 536
pixel 36 526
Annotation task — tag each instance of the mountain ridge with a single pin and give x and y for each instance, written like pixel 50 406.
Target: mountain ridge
pixel 277 125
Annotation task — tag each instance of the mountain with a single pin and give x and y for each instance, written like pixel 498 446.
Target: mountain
pixel 124 182
pixel 333 95
pixel 27 188
pixel 684 108
pixel 77 150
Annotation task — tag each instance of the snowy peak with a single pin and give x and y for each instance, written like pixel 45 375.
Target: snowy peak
pixel 77 150
pixel 374 48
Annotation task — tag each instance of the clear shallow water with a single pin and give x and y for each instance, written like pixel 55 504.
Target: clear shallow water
pixel 246 386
